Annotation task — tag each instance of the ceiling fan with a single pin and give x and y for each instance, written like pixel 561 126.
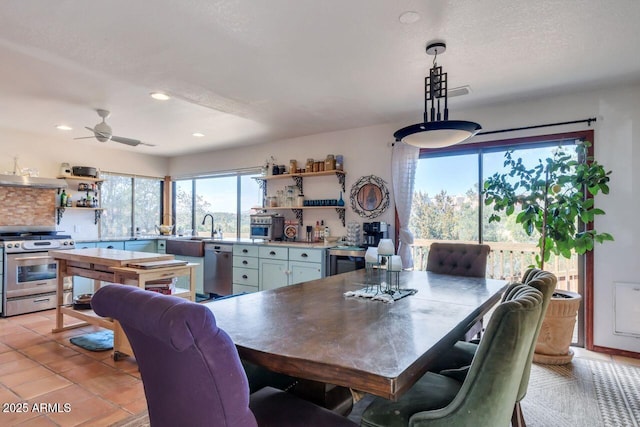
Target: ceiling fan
pixel 102 132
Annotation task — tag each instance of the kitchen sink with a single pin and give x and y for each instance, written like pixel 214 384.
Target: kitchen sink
pixel 187 246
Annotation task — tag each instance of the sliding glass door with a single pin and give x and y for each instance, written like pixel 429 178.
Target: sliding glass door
pixel 448 206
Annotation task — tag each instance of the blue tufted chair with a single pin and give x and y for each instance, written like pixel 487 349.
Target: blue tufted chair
pixel 190 368
pixel 489 391
pixel 460 259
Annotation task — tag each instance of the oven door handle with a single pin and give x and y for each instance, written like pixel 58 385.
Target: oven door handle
pixel 31 258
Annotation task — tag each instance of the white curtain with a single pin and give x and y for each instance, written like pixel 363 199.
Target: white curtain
pixel 404 162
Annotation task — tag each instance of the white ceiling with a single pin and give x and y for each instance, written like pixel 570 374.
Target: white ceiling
pixel 250 71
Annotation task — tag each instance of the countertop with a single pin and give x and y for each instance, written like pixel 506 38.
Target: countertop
pixel 319 245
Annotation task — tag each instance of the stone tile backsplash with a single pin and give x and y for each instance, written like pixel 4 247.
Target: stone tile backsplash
pixel 23 206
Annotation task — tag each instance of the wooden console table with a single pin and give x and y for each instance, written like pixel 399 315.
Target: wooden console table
pixel 113 265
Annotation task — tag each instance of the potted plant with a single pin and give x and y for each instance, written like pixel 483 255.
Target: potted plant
pixel 556 205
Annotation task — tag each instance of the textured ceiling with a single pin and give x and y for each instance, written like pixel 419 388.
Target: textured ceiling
pixel 246 71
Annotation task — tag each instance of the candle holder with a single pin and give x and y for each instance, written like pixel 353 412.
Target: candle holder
pixel 386 251
pixel 372 276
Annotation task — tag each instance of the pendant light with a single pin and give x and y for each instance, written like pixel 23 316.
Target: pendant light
pixel 437 130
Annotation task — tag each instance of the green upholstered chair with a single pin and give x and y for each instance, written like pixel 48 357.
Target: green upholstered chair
pixel 456 361
pixel 489 391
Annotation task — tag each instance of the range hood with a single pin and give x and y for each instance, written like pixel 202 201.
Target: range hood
pixel 33 182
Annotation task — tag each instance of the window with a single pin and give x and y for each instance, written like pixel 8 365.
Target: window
pixel 447 206
pixel 131 203
pixel 229 198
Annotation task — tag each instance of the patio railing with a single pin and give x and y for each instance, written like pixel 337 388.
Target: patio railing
pixel 509 261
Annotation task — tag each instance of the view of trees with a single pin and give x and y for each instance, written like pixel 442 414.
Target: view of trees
pixel 117 193
pixel 447 217
pixel 189 215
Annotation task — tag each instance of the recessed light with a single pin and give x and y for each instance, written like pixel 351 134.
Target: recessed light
pixel 198 134
pixel 160 96
pixel 409 17
pixel 63 127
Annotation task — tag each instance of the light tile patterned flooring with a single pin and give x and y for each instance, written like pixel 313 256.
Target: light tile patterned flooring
pixel 37 366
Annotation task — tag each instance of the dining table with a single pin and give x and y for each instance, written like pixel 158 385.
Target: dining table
pixel 313 331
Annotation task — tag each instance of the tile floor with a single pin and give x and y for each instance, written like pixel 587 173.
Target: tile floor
pixel 37 366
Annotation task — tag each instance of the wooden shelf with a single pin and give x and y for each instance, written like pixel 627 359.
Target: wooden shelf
pixel 298 179
pixel 60 211
pixel 282 208
pixel 79 208
pixel 81 178
pixel 88 316
pixel 301 175
pixel 297 210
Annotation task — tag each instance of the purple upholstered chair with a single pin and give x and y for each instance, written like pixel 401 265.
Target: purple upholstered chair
pixel 190 368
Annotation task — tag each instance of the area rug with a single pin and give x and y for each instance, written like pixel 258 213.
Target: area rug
pixel 583 393
pixel 95 341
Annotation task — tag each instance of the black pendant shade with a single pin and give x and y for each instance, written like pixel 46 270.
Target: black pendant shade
pixel 437 130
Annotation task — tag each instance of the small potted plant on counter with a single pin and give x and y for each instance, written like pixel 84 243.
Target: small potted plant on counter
pixel 556 204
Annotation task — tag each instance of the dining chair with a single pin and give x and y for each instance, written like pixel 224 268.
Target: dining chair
pixel 460 259
pixel 190 368
pixel 489 391
pixel 456 361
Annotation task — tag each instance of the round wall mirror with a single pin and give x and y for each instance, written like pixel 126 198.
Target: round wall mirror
pixel 369 196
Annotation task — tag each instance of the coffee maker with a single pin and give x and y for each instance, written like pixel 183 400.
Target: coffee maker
pixel 373 232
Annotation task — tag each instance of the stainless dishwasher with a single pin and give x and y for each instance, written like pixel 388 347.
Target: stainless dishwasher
pixel 218 269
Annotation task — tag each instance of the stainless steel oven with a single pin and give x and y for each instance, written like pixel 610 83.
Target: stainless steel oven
pixel 31 275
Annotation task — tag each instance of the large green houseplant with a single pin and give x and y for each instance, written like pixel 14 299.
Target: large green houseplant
pixel 555 201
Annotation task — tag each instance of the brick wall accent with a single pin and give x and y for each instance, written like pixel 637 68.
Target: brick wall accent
pixel 27 206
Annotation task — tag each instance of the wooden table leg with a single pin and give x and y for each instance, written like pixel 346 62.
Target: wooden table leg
pixel 62 273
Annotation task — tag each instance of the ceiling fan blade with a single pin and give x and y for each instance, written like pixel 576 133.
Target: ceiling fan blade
pixel 99 135
pixel 128 141
pixel 85 137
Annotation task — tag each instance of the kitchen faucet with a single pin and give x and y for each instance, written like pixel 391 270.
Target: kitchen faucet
pixel 213 230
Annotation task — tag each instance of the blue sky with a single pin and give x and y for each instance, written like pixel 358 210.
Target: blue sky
pixel 457 174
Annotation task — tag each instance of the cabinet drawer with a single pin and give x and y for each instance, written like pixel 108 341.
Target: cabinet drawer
pixel 245 250
pixel 245 276
pixel 245 262
pixel 273 252
pixel 306 255
pixel 110 245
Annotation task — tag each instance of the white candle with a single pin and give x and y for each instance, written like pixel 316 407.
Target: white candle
pixel 395 263
pixel 371 255
pixel 385 247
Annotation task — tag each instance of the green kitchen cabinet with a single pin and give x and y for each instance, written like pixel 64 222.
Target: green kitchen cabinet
pixel 111 245
pixel 140 245
pixel 273 273
pixel 183 281
pixel 245 269
pixel 303 272
pixel 306 264
pixel 283 266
